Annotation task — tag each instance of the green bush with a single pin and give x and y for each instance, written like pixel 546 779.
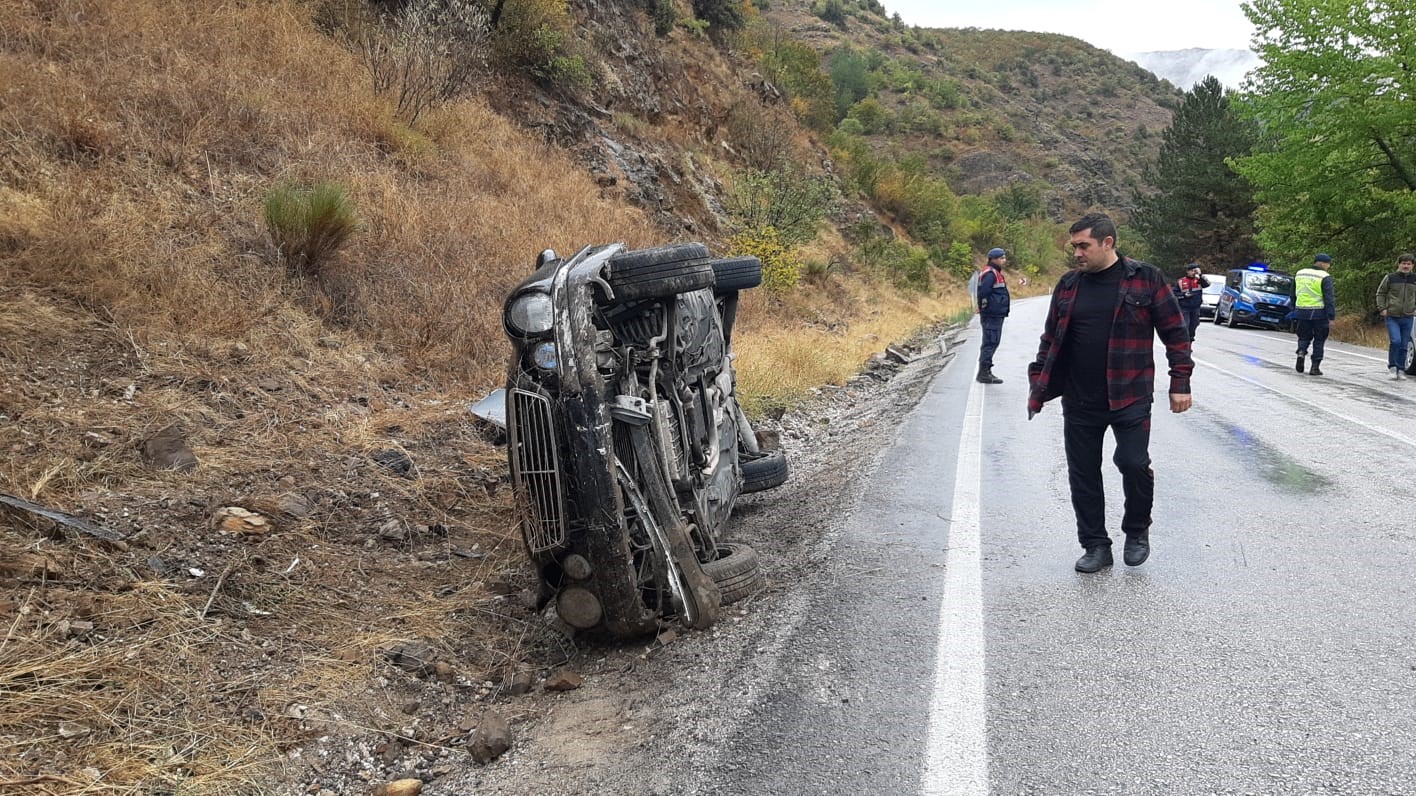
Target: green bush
pixel 850 126
pixel 723 15
pixel 904 265
pixel 873 116
pixel 665 17
pixel 833 11
pixel 565 71
pixel 530 35
pixel 308 224
pixel 796 69
pixel 781 266
pixel 786 199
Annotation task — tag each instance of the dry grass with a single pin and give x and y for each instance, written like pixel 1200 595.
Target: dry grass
pixel 823 335
pixel 1359 331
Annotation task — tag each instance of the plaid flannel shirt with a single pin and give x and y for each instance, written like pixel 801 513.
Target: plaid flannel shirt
pixel 1145 306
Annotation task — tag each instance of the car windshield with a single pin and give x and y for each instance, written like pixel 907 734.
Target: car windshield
pixel 1270 283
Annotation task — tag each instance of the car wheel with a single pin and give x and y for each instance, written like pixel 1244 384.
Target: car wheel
pixel 763 471
pixel 1217 319
pixel 732 274
pixel 659 272
pixel 738 572
pixel 1231 321
pixel 1411 357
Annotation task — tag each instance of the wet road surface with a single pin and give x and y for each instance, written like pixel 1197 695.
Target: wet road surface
pixel 1267 647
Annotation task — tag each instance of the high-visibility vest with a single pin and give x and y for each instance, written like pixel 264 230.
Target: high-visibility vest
pixel 1310 288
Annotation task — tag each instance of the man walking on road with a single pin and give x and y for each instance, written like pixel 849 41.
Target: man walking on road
pixel 1190 290
pixel 1396 299
pixel 993 300
pixel 1096 353
pixel 1315 308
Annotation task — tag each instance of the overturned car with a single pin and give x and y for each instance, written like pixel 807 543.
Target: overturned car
pixel 627 445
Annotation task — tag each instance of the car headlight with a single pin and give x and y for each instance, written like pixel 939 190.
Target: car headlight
pixel 1249 297
pixel 530 313
pixel 544 355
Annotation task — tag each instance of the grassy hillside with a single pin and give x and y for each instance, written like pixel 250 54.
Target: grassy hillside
pixel 991 108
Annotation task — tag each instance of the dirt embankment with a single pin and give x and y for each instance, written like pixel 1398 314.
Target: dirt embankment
pixel 347 618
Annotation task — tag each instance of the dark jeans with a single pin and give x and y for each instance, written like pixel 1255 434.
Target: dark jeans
pixel 992 335
pixel 1399 333
pixel 1312 331
pixel 1082 433
pixel 1192 320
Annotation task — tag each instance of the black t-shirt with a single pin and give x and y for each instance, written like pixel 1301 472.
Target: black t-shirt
pixel 1088 334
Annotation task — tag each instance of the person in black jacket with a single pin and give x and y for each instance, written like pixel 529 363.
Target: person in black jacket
pixel 1190 290
pixel 993 300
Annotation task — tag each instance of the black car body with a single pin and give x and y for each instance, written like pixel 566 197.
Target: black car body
pixel 627 446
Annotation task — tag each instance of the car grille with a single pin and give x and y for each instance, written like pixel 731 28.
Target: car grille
pixel 535 467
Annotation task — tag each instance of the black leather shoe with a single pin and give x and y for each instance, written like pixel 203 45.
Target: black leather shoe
pixel 1138 549
pixel 1298 365
pixel 1315 370
pixel 1095 560
pixel 985 376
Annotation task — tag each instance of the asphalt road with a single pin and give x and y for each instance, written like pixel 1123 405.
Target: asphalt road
pixel 925 632
pixel 1267 647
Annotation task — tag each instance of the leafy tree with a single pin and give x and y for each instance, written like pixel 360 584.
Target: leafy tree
pixel 1203 212
pixel 850 75
pixel 1335 167
pixel 833 11
pixel 1020 200
pixel 796 69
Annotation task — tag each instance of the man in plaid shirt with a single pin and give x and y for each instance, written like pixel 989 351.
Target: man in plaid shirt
pixel 1097 354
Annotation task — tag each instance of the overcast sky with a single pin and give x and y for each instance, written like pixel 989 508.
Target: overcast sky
pixel 1121 26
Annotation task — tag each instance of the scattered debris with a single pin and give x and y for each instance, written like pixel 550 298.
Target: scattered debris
pixel 19 504
pixel 563 680
pixel 492 738
pixel 395 461
pixel 168 450
pixel 238 520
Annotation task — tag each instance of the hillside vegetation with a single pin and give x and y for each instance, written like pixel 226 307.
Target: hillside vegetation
pixel 252 260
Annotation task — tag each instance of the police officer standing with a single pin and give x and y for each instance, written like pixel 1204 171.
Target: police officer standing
pixel 1316 307
pixel 993 300
pixel 1190 290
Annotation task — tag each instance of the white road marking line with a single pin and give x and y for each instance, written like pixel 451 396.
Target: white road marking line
pixel 1331 349
pixel 1317 406
pixel 957 763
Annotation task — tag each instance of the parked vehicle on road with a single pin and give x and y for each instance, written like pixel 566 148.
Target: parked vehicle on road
pixel 627 445
pixel 1256 296
pixel 1210 299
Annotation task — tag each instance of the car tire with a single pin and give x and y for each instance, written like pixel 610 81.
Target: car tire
pixel 1230 321
pixel 1217 320
pixel 737 571
pixel 764 471
pixel 1411 358
pixel 660 272
pixel 732 274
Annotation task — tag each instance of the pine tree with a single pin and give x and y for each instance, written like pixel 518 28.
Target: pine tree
pixel 1202 211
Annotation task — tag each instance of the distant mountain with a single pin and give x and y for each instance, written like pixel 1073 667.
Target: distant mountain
pixel 1185 68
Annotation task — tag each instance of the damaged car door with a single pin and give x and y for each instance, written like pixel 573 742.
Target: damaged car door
pixel 626 442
